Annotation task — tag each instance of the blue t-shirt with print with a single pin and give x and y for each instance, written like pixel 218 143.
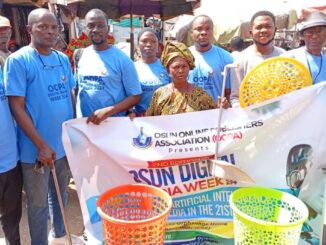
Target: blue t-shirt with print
pixel 151 76
pixel 315 64
pixel 208 71
pixel 105 78
pixel 45 81
pixel 8 140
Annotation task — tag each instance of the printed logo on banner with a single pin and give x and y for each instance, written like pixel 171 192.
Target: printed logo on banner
pixel 91 206
pixel 288 159
pixel 142 141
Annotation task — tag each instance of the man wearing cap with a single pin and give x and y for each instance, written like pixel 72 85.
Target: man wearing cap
pixel 313 32
pixel 11 181
pixel 5 34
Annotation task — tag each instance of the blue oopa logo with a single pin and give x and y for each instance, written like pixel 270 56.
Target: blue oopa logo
pixel 142 141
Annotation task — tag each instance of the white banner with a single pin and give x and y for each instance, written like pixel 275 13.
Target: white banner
pixel 279 144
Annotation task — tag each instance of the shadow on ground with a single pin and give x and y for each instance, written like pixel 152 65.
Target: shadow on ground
pixel 73 213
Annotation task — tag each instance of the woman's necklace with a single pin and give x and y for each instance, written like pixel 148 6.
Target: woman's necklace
pixel 320 67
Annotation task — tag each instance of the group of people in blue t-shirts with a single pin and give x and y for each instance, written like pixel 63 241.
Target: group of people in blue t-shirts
pixel 39 91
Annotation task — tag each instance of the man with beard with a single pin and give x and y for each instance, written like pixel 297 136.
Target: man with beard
pixel 209 59
pixel 313 32
pixel 108 83
pixel 263 29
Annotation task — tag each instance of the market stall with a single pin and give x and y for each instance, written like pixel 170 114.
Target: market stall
pixel 164 9
pixel 17 11
pixel 230 21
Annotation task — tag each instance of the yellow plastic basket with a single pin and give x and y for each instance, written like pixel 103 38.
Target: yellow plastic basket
pixel 271 78
pixel 266 216
pixel 134 214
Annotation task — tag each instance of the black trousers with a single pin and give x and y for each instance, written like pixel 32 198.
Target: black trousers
pixel 11 183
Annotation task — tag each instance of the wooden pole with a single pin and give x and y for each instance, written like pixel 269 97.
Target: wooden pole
pixel 57 188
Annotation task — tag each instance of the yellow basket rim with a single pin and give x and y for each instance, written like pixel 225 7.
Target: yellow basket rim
pixel 305 212
pixel 167 197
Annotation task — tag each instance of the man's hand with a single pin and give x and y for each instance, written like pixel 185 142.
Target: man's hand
pixel 225 103
pixel 46 156
pixel 132 115
pixel 100 115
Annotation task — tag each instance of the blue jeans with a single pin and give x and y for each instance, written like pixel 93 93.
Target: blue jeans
pixel 42 200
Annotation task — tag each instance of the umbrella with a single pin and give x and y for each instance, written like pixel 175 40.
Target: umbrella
pixel 165 9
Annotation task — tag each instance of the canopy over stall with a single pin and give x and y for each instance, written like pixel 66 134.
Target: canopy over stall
pixel 36 3
pixel 233 18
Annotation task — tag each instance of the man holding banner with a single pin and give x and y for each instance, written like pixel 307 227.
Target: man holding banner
pixel 107 79
pixel 160 151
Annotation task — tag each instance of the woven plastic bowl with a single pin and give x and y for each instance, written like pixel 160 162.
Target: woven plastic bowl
pixel 271 78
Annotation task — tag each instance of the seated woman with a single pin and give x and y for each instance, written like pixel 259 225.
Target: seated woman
pixel 179 96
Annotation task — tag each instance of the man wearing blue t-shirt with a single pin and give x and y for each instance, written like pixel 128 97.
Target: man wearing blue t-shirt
pixel 313 32
pixel 108 84
pixel 10 174
pixel 39 85
pixel 209 59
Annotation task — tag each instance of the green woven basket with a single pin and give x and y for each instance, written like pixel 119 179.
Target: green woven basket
pixel 266 216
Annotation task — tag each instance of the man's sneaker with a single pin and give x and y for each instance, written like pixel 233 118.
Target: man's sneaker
pixel 64 240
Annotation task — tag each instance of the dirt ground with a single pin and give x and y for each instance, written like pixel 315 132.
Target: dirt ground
pixel 73 213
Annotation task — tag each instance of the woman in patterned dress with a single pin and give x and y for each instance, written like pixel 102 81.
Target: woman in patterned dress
pixel 179 96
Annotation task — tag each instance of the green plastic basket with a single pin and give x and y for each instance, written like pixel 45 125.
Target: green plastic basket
pixel 266 216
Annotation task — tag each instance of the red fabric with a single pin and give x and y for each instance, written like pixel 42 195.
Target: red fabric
pixel 307 11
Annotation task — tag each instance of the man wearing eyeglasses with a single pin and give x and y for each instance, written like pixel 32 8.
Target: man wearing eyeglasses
pixel 39 85
pixel 313 32
pixel 108 83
